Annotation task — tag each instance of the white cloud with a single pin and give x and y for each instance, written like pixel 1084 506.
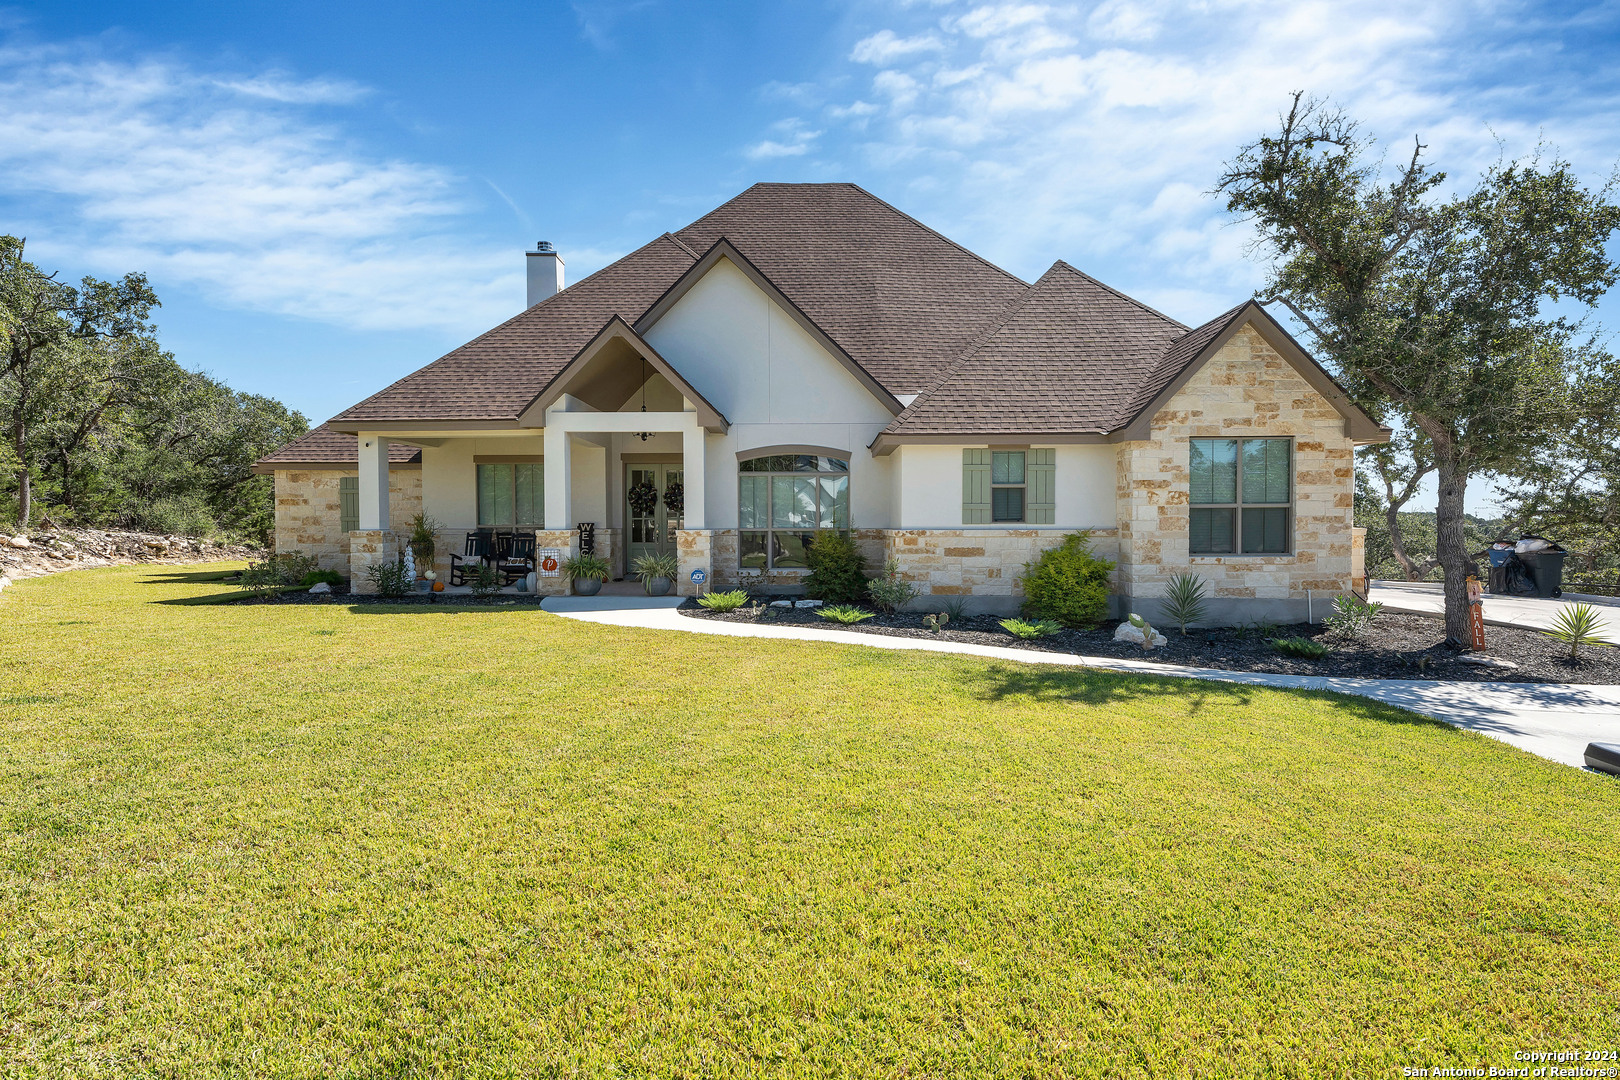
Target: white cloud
pixel 794 140
pixel 885 46
pixel 225 184
pixel 1121 20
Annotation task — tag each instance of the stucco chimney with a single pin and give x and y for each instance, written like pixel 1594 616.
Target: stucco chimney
pixel 545 272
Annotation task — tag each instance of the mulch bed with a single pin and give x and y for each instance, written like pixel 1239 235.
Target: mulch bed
pixel 1397 646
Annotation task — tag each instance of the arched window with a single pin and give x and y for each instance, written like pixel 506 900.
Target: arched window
pixel 783 499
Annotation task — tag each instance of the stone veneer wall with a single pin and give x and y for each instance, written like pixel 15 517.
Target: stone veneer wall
pixel 1246 389
pixel 982 565
pixel 309 512
pixel 695 550
pixel 368 549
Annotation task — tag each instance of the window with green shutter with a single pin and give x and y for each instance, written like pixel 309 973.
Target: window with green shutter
pixel 348 503
pixel 975 487
pixel 1241 493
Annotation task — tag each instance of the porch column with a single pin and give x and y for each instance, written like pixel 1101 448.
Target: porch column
pixel 374 515
pixel 693 469
pixel 559 446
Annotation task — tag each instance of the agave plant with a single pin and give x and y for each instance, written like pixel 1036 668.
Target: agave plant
pixel 1184 600
pixel 1578 625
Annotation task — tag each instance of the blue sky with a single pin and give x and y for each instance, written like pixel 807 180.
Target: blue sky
pixel 327 196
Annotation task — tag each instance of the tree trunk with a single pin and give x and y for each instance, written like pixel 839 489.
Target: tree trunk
pixel 1449 543
pixel 25 494
pixel 1397 546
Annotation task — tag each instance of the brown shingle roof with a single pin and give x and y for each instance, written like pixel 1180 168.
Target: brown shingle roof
pixel 902 300
pixel 1066 358
pixel 323 446
pixel 496 375
pixel 898 297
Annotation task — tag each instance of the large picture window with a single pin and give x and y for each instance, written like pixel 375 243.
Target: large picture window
pixel 512 495
pixel 782 500
pixel 1241 492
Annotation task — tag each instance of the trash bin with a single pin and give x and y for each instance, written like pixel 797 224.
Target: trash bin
pixel 1546 570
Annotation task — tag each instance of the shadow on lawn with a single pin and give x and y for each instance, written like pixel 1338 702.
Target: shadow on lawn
pixel 189 577
pixel 1088 686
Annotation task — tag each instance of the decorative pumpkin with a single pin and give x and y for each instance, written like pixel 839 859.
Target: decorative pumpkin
pixel 643 498
pixel 438 586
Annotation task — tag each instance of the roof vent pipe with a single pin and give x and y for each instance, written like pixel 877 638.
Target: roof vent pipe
pixel 545 272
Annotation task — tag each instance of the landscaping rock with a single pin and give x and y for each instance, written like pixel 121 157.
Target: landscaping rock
pixel 4 581
pixel 781 603
pixel 1476 660
pixel 320 587
pixel 21 543
pixel 1130 634
pixel 807 603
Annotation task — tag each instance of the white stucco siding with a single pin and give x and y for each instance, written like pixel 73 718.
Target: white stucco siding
pixel 450 476
pixel 776 385
pixel 929 487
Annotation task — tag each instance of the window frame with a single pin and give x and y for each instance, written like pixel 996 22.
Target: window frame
pixel 1239 505
pixel 478 495
pixel 1022 487
pixel 817 476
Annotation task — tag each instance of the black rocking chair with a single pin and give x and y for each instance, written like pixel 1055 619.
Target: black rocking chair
pixel 476 551
pixel 518 560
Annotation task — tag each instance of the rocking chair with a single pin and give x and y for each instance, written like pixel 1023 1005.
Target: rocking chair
pixel 477 551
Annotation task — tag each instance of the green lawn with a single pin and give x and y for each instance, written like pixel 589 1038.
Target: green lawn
pixel 334 841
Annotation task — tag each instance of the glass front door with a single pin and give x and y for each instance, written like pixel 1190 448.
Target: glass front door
pixel 655 499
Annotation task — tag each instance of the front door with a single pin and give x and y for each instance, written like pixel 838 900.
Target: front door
pixel 654 504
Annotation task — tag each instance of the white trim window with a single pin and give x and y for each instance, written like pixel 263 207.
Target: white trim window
pixel 1241 496
pixel 782 499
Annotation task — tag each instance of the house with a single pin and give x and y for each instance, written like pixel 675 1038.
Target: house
pixel 807 356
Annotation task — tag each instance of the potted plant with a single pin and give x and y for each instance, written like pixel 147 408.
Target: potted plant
pixel 657 573
pixel 424 541
pixel 587 572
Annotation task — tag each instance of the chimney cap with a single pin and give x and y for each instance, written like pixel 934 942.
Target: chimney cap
pixel 544 245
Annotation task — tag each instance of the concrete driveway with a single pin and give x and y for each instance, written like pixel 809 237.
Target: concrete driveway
pixel 1530 612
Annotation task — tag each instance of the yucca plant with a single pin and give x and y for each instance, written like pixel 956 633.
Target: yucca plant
pixel 1578 625
pixel 723 601
pixel 1185 600
pixel 846 614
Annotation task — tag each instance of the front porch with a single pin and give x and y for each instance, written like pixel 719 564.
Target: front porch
pixel 618 419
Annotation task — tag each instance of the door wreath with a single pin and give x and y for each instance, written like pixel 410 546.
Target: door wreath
pixel 643 498
pixel 675 498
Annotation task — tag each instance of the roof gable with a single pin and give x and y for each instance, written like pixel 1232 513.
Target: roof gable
pixel 589 371
pixel 1200 345
pixel 724 249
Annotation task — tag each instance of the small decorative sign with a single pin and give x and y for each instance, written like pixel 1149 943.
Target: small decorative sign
pixel 550 562
pixel 1476 613
pixel 699 576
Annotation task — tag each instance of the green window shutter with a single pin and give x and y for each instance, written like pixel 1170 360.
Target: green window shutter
pixel 348 503
pixel 975 487
pixel 1041 476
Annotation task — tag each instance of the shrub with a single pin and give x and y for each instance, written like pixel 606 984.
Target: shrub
pixel 1184 601
pixel 181 515
pixel 1352 616
pixel 586 567
pixel 1302 647
pixel 723 601
pixel 956 608
pixel 837 568
pixel 278 571
pixel 391 579
pixel 315 577
pixel 1575 626
pixel 891 591
pixel 1029 631
pixel 482 579
pixel 843 613
pixel 1068 584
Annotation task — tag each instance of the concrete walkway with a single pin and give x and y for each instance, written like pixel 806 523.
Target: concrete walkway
pixel 1553 720
pixel 1531 612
